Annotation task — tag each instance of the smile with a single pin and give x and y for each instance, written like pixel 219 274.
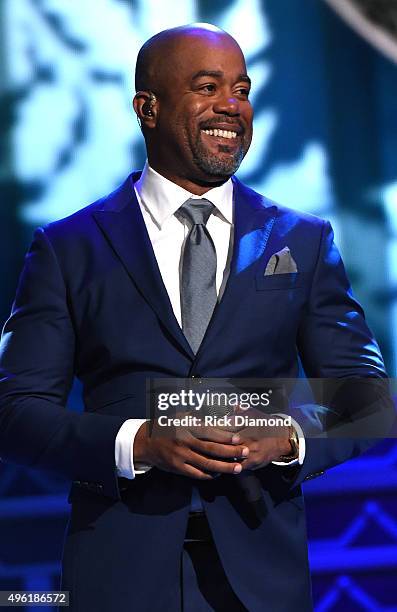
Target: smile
pixel 221 133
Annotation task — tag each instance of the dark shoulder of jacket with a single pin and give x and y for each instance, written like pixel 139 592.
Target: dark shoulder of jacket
pixel 286 216
pixel 79 223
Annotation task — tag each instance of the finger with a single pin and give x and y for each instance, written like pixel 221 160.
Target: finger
pixel 255 460
pixel 231 426
pixel 206 464
pixel 225 451
pixel 174 460
pixel 193 472
pixel 248 440
pixel 214 434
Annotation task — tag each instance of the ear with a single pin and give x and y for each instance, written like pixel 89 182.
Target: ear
pixel 145 105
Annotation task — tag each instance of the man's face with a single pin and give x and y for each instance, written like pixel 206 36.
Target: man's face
pixel 204 124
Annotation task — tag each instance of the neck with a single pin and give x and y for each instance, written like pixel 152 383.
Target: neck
pixel 194 186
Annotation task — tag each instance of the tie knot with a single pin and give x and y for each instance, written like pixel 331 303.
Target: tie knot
pixel 196 212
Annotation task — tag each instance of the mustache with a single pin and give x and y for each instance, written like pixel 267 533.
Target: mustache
pixel 220 122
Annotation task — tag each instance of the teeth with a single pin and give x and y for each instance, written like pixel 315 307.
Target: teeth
pixel 221 133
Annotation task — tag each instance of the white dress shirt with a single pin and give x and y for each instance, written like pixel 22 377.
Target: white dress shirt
pixel 159 199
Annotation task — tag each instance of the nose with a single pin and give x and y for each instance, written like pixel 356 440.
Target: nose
pixel 227 105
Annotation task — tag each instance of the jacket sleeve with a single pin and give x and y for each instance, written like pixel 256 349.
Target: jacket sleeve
pixel 353 407
pixel 36 372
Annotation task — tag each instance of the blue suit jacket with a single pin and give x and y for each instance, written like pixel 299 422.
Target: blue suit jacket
pixel 91 303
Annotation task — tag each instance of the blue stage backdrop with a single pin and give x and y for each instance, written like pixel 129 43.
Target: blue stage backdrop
pixel 325 142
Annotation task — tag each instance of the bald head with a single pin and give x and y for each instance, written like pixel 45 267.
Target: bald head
pixel 159 55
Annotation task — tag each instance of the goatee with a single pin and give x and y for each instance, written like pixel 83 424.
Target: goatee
pixel 218 165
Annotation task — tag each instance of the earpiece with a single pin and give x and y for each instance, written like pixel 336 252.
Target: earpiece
pixel 147 107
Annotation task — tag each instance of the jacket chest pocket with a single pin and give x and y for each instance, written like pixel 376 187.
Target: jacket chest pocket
pixel 290 280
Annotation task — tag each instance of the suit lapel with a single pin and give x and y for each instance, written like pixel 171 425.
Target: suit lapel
pixel 254 218
pixel 120 219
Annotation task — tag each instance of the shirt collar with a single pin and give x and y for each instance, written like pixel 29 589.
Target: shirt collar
pixel 162 197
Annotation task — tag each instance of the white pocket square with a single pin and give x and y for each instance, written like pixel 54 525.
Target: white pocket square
pixel 281 262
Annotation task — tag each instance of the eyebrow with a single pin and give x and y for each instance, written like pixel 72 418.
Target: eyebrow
pixel 219 74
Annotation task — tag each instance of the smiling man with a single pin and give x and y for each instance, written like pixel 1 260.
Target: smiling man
pixel 201 125
pixel 181 272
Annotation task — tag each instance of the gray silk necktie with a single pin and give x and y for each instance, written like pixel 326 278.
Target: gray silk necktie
pixel 198 279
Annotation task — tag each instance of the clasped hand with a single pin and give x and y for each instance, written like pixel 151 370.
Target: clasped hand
pixel 205 452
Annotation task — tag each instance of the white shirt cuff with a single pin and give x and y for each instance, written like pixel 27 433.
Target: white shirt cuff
pixel 124 450
pixel 301 446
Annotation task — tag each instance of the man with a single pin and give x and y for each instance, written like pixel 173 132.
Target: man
pixel 101 297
